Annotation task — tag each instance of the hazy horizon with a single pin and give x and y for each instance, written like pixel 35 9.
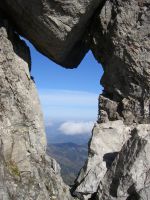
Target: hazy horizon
pixel 69 97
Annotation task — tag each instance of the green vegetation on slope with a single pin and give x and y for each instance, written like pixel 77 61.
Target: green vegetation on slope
pixel 71 158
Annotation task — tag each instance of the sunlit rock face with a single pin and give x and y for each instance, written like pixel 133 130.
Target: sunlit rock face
pixel 57 28
pixel 107 140
pixel 129 176
pixel 25 171
pixel 118 169
pixel 118 163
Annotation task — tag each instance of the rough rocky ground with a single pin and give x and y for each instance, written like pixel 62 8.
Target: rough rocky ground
pixel 118 33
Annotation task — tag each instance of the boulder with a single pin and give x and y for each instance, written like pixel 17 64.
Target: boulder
pixel 57 28
pixel 129 176
pixel 107 140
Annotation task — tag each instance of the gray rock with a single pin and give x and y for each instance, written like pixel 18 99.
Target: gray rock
pixel 107 140
pixel 129 176
pixel 25 170
pixel 121 43
pixel 56 27
pixel 118 164
pixel 118 34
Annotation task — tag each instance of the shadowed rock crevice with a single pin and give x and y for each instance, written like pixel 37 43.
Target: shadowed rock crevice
pixel 109 158
pixel 133 193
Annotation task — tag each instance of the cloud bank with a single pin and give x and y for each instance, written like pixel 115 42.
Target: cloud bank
pixel 74 128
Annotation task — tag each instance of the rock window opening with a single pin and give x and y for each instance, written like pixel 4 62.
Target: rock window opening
pixel 69 99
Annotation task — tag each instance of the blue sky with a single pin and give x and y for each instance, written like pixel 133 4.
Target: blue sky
pixel 67 95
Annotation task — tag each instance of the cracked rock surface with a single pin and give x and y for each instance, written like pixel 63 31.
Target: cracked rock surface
pixel 55 27
pixel 118 163
pixel 118 33
pixel 121 42
pixel 129 176
pixel 107 140
pixel 25 170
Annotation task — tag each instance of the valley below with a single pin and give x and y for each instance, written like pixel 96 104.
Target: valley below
pixel 71 158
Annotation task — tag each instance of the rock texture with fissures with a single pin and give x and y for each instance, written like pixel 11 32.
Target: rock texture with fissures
pixel 57 28
pixel 25 170
pixel 118 33
pixel 118 163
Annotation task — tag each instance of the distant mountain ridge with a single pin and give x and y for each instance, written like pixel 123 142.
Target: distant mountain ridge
pixel 71 158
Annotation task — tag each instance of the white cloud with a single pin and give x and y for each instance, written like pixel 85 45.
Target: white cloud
pixel 69 105
pixel 72 128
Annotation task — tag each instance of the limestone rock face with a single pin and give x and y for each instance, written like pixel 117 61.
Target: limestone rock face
pixel 107 140
pixel 55 27
pixel 25 171
pixel 121 43
pixel 118 33
pixel 118 163
pixel 129 176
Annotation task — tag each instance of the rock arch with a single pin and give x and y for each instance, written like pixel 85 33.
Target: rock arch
pixel 117 32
